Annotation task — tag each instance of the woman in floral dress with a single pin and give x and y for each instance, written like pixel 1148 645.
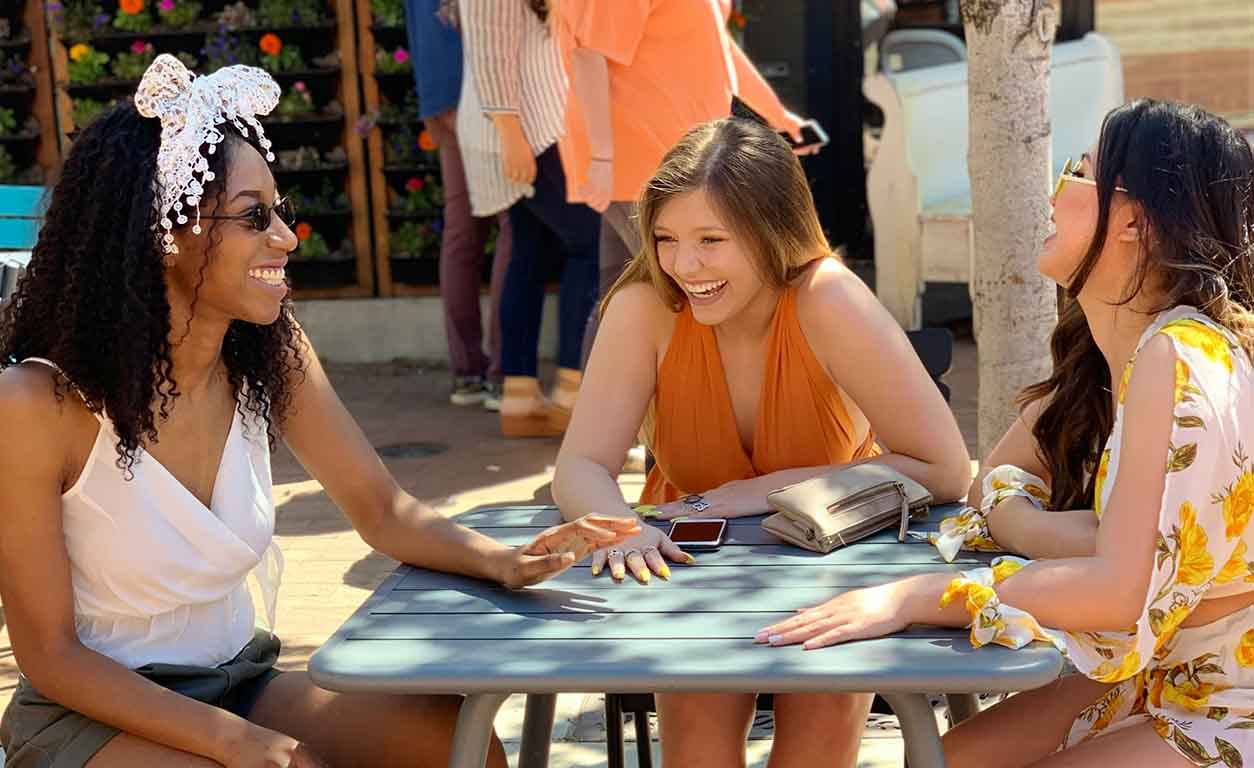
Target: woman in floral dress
pixel 1141 445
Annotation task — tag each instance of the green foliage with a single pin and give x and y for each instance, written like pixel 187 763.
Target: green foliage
pixel 178 13
pixel 131 65
pixel 87 65
pixel 414 239
pixel 388 13
pixel 288 60
pixel 86 110
pixel 290 13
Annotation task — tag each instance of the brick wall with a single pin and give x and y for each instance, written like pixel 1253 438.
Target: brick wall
pixel 1199 51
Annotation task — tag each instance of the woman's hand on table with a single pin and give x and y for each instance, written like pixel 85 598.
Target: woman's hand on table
pixel 739 498
pixel 561 546
pixel 642 554
pixel 860 614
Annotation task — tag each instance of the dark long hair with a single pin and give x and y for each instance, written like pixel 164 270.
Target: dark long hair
pixel 1193 176
pixel 94 296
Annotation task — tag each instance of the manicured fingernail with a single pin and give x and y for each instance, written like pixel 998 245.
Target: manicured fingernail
pixel 775 639
pixel 617 575
pixel 596 571
pixel 761 637
pixel 644 577
pixel 665 572
pixel 690 560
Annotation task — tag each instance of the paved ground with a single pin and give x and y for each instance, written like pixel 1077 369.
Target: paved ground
pixel 456 460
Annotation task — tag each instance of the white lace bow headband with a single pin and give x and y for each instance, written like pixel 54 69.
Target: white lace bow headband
pixel 190 109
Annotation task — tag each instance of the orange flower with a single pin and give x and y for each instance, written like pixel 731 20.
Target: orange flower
pixel 270 44
pixel 425 142
pixel 131 7
pixel 303 231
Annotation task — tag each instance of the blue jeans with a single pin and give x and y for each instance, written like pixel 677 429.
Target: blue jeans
pixel 545 225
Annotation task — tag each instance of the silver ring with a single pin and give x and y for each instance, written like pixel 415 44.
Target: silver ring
pixel 615 552
pixel 638 552
pixel 697 502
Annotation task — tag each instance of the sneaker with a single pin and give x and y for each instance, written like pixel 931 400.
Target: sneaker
pixel 492 396
pixel 468 390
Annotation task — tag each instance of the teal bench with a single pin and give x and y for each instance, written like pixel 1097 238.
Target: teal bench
pixel 21 212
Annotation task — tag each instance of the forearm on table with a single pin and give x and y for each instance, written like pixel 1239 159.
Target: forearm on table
pixel 582 486
pixel 99 688
pixel 946 481
pixel 1019 527
pixel 591 82
pixel 1083 594
pixel 416 534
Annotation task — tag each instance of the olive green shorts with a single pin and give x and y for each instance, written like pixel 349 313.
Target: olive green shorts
pixel 39 733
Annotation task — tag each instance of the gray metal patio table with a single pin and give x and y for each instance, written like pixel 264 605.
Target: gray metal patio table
pixel 427 632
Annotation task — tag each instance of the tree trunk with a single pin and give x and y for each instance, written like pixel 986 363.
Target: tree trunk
pixel 1008 159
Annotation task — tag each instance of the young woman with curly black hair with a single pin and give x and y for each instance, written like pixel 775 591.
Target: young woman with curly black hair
pixel 147 375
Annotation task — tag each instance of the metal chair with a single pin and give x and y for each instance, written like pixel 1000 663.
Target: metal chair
pixel 905 49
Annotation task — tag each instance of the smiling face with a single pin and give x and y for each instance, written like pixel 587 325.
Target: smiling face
pixel 1075 219
pixel 242 268
pixel 697 250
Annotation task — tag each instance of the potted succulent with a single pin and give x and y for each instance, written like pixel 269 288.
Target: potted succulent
pixel 87 65
pixel 237 16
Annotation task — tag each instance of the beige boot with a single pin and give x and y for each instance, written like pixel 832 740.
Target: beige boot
pixel 524 411
pixel 565 393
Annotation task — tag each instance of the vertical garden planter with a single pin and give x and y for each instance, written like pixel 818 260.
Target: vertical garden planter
pixel 100 49
pixel 28 145
pixel 406 189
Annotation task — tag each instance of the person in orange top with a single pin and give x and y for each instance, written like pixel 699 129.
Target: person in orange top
pixel 760 361
pixel 643 73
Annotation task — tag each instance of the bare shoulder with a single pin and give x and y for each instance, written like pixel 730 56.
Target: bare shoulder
pixel 638 305
pixel 35 419
pixel 831 299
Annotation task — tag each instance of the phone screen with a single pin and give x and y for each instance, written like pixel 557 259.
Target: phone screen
pixel 696 531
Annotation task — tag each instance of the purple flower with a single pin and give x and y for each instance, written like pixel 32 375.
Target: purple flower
pixel 99 21
pixel 400 56
pixel 167 5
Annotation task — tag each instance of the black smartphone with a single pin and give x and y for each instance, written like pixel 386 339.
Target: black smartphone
pixel 812 134
pixel 699 535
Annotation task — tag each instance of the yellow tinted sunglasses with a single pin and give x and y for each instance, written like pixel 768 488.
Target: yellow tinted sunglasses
pixel 1069 174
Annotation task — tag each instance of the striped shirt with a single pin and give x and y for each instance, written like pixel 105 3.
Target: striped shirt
pixel 512 65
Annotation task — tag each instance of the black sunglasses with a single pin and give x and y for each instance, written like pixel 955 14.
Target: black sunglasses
pixel 260 216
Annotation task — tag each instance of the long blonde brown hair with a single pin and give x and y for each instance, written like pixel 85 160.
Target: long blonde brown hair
pixel 757 187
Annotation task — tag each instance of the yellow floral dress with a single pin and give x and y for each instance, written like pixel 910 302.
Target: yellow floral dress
pixel 1195 685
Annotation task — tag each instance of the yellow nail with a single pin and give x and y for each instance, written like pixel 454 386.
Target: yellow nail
pixel 644 577
pixel 665 573
pixel 596 571
pixel 691 559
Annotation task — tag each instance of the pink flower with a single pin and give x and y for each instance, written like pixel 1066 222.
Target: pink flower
pixel 400 56
pixel 299 85
pixel 167 5
pixel 415 184
pixel 138 47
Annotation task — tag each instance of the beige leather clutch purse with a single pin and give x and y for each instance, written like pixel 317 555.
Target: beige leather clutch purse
pixel 844 505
